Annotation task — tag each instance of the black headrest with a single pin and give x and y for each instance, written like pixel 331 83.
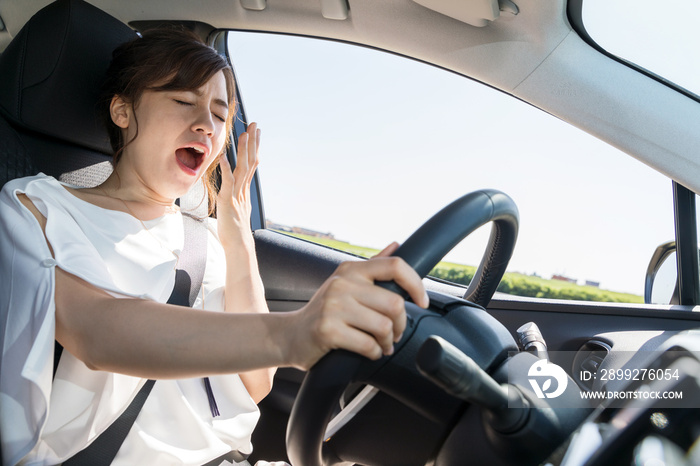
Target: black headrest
pixel 51 72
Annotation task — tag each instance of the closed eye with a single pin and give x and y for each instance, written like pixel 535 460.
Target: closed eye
pixel 190 104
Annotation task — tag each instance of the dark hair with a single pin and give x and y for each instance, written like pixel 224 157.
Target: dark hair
pixel 164 59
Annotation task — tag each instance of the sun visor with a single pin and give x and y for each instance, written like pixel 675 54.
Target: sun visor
pixel 475 12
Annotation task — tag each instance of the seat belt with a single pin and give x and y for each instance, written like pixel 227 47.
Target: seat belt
pixel 188 282
pixel 104 448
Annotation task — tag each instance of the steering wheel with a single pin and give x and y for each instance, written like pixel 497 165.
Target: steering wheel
pixel 477 333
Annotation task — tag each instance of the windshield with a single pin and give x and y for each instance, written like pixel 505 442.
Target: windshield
pixel 661 37
pixel 361 147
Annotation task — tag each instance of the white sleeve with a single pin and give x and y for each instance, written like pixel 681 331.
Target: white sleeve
pixel 27 333
pixel 27 327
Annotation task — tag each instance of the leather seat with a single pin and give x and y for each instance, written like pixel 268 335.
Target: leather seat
pixel 50 77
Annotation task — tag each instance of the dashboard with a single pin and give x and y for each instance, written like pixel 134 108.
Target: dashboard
pixel 649 414
pixel 404 419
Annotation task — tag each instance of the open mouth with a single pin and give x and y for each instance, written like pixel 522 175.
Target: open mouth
pixel 190 157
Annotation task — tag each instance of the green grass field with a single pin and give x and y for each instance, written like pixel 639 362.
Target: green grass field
pixel 512 283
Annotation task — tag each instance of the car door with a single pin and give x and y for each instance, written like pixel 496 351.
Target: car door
pixel 360 147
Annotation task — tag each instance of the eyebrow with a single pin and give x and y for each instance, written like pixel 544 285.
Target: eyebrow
pixel 219 102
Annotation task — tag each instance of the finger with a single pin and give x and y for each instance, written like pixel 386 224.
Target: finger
pixel 253 151
pixel 253 139
pixel 360 303
pixel 226 176
pixel 385 305
pixel 239 173
pixel 389 250
pixel 361 343
pixel 406 277
pixel 379 326
pixel 242 151
pixel 247 158
pixel 396 269
pixel 336 333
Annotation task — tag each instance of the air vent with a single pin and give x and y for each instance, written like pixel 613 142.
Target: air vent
pixel 587 361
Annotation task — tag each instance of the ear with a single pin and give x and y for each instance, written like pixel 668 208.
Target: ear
pixel 120 111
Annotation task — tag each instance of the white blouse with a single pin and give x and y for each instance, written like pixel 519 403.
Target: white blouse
pixel 45 421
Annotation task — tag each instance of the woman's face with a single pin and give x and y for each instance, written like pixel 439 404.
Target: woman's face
pixel 180 133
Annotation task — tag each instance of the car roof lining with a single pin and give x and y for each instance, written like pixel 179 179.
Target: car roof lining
pixel 482 52
pixel 516 54
pixel 658 129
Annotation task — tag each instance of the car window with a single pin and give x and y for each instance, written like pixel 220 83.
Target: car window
pixel 360 147
pixel 657 36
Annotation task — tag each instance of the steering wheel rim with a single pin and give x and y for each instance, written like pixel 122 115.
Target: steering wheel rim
pixel 326 381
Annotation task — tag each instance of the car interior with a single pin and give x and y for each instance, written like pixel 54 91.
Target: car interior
pixel 461 387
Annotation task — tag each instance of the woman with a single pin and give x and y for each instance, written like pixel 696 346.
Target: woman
pixel 97 265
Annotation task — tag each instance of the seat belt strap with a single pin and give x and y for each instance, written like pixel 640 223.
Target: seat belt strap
pixel 188 281
pixel 105 447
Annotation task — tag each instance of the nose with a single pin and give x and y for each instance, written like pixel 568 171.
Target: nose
pixel 204 123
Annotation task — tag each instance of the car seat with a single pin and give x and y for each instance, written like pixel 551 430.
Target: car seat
pixel 50 76
pixel 50 79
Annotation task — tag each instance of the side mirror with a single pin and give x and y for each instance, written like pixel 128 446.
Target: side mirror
pixel 661 282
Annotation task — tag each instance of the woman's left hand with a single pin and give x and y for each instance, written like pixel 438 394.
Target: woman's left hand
pixel 233 206
pixel 244 291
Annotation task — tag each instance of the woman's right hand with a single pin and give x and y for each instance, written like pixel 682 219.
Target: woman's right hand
pixel 350 312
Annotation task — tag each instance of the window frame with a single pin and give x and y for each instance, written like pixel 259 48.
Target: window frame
pixel 219 41
pixel 574 12
pixel 684 213
pixel 686 245
pixel 683 207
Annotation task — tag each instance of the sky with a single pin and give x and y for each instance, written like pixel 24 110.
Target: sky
pixel 660 36
pixel 367 146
